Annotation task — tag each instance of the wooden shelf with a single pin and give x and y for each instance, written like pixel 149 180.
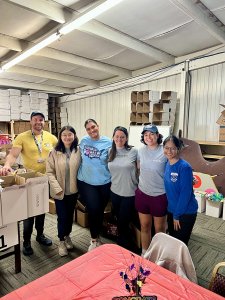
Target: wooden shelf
pixel 212 156
pixel 211 143
pixel 212 150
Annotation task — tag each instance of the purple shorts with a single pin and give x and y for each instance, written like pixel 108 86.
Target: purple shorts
pixel 152 205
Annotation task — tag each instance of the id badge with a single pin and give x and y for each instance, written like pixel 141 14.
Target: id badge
pixel 40 160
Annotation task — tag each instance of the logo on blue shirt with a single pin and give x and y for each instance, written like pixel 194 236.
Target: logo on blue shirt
pixel 92 152
pixel 174 177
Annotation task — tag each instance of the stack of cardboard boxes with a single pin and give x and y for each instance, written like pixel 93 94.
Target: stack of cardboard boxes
pixel 57 115
pixel 17 106
pixel 153 107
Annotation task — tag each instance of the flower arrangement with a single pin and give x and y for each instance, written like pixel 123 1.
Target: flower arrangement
pixel 134 277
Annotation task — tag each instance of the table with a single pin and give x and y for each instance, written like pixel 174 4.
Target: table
pixel 95 275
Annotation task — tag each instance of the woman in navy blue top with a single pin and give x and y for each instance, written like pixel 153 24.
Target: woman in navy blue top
pixel 178 180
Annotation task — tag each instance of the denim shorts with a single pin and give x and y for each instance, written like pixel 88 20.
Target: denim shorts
pixel 152 205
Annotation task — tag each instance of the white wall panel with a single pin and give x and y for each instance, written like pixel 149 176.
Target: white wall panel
pixel 113 108
pixel 207 92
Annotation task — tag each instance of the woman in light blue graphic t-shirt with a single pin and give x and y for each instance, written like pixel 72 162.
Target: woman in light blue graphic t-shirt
pixel 94 179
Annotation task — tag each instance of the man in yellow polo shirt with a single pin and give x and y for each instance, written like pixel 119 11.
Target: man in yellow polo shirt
pixel 34 146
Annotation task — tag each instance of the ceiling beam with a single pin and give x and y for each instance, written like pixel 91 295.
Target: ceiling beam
pixel 83 62
pixel 125 40
pixel 35 86
pixel 96 28
pixel 53 75
pixel 194 11
pixel 20 45
pixel 50 9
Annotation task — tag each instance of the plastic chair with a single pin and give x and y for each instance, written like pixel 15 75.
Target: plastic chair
pixel 217 283
pixel 171 254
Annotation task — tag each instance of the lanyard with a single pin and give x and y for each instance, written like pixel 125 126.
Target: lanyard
pixel 37 143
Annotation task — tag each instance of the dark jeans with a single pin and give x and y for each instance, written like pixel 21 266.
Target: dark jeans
pixel 95 197
pixel 124 210
pixel 65 212
pixel 28 226
pixel 186 222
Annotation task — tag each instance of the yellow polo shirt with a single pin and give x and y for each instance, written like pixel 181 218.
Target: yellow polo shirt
pixel 29 150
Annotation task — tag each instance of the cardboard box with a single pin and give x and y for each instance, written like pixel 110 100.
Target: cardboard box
pixel 9 236
pixel 52 208
pixel 133 117
pixel 139 107
pixel 37 192
pixel 201 199
pixel 139 118
pixel 222 134
pixel 133 107
pixel 81 218
pixel 221 120
pixel 214 209
pixel 134 96
pixel 168 95
pixel 13 200
pixel 224 210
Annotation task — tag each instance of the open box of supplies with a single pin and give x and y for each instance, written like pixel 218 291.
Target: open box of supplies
pixel 204 182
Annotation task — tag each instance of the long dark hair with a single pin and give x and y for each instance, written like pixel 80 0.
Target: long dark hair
pixel 112 152
pixel 60 146
pixel 177 142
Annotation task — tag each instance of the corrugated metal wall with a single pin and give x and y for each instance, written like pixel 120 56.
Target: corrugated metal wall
pixel 207 92
pixel 113 108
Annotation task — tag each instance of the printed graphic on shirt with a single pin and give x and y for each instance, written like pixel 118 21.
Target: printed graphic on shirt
pixel 92 152
pixel 174 177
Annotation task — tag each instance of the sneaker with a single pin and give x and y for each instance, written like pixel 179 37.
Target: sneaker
pixel 68 243
pixel 62 249
pixel 94 244
pixel 41 239
pixel 27 249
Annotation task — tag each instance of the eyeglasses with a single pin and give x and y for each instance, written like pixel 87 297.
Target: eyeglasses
pixel 170 148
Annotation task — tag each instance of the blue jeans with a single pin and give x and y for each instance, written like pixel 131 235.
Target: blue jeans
pixel 95 197
pixel 65 212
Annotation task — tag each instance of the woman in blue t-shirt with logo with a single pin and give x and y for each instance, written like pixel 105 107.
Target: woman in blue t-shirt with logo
pixel 94 179
pixel 178 179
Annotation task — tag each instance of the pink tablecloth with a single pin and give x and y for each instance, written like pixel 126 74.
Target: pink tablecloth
pixel 95 275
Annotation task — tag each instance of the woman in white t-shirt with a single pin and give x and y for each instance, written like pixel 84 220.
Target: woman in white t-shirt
pixel 122 165
pixel 150 197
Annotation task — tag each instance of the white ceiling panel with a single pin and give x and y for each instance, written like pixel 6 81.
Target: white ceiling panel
pixel 24 78
pixel 18 22
pixel 121 42
pixel 130 59
pixel 61 83
pixel 186 39
pixel 81 43
pixel 145 19
pixel 47 64
pixel 89 73
pixel 213 4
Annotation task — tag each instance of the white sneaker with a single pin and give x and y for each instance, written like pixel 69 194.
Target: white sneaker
pixel 68 243
pixel 62 249
pixel 94 244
